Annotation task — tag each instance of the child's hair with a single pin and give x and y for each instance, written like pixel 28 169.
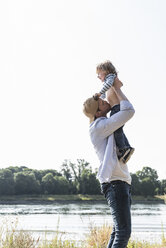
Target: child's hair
pixel 106 66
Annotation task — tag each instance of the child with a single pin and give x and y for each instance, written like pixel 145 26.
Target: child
pixel 107 73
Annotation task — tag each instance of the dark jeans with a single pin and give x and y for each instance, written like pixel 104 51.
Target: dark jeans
pixel 118 195
pixel 120 137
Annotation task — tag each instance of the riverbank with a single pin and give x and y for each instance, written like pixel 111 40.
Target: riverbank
pixel 48 199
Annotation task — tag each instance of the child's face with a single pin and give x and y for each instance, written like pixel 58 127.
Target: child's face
pixel 101 75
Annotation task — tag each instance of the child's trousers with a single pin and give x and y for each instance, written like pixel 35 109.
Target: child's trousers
pixel 120 137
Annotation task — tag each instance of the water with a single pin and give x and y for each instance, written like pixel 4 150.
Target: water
pixel 74 219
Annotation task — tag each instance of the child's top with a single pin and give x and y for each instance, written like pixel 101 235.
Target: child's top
pixel 108 82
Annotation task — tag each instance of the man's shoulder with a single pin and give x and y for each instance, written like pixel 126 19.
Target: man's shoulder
pixel 97 126
pixel 98 121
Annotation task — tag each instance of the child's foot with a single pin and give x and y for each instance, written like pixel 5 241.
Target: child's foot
pixel 128 155
pixel 123 153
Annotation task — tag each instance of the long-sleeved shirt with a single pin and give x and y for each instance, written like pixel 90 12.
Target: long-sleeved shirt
pixel 108 82
pixel 102 137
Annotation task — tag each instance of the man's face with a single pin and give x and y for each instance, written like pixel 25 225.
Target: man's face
pixel 104 107
pixel 101 75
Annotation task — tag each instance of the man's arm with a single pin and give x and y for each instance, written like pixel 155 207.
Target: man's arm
pixel 116 87
pixel 119 119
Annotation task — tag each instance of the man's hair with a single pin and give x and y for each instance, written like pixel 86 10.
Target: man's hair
pixel 90 107
pixel 106 66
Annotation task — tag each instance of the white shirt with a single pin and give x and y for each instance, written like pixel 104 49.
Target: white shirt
pixel 102 137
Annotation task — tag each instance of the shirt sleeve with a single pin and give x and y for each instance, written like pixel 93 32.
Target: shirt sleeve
pixel 117 120
pixel 108 83
pixel 103 96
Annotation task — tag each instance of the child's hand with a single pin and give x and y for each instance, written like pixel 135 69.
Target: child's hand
pixel 96 96
pixel 117 83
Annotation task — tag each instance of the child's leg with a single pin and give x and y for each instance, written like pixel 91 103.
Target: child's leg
pixel 120 137
pixel 125 150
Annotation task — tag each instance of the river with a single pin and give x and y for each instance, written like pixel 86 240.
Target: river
pixel 75 219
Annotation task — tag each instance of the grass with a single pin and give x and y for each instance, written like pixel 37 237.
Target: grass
pixel 97 238
pixel 156 198
pixel 162 197
pixel 53 198
pixel 10 238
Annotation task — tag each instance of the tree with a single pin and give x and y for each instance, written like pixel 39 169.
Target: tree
pixel 48 184
pixel 163 186
pixel 136 185
pixel 6 182
pixel 74 178
pixel 148 172
pixel 147 177
pixel 14 169
pixel 147 188
pixel 80 177
pixel 66 170
pixel 62 186
pixel 84 179
pixel 89 184
pixel 26 183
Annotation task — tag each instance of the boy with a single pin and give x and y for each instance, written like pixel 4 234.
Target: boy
pixel 107 73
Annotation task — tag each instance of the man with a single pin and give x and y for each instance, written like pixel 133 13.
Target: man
pixel 113 174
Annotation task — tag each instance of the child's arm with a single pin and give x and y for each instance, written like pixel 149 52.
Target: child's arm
pixel 108 82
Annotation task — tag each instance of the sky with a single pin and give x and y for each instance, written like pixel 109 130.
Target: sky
pixel 48 56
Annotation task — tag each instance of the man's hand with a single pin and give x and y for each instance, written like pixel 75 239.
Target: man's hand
pixel 117 83
pixel 96 96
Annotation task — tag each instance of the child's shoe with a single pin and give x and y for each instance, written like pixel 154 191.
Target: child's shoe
pixel 128 155
pixel 122 153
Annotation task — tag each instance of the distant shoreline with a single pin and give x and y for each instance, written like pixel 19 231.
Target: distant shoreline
pixel 63 199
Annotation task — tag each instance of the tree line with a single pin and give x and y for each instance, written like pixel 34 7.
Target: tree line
pixel 73 178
